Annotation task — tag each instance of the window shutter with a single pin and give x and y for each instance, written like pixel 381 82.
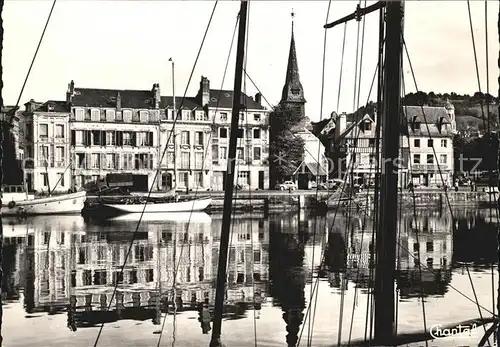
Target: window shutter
pixel 73 139
pixel 134 139
pixel 150 139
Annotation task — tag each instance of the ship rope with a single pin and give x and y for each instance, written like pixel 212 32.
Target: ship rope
pixel 176 117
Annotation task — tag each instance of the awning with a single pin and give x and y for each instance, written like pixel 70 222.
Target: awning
pixel 314 168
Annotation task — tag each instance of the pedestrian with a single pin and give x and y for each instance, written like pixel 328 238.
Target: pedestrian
pixel 456 186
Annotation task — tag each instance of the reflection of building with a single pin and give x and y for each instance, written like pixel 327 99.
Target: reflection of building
pixel 46 145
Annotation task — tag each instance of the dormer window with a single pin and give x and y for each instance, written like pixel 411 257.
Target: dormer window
pixel 256 117
pixel 223 117
pixel 185 114
pixel 95 115
pixel 200 115
pixel 79 115
pixel 154 115
pixel 417 126
pixel 143 116
pixel 367 126
pixel 127 116
pixel 110 115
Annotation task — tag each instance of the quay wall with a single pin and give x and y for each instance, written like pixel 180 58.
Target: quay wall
pixel 279 201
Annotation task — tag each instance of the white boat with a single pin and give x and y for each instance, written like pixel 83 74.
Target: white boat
pixel 15 201
pixel 184 206
pixel 194 217
pixel 154 195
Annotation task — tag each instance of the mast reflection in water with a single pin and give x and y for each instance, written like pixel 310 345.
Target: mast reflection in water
pixel 64 264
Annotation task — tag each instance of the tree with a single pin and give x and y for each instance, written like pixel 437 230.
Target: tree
pixel 286 149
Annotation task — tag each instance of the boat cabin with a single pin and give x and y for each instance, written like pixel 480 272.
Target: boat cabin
pixel 13 193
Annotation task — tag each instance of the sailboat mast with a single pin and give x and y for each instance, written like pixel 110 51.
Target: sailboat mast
pixel 229 184
pixel 386 240
pixel 174 180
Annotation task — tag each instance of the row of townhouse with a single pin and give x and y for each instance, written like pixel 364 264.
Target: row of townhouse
pixel 426 146
pixel 94 132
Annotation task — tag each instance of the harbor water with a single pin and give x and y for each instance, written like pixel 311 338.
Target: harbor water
pixel 293 279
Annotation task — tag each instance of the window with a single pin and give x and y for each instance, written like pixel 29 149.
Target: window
pixel 430 246
pixel 198 161
pixel 223 133
pixel 143 116
pixel 256 117
pixel 79 115
pixel 185 156
pixel 110 138
pixel 59 131
pixel 417 126
pixel 44 152
pixel 256 256
pixel 430 158
pixel 44 130
pixel 223 117
pixel 95 115
pixel 244 177
pixel 110 161
pixel 95 160
pixel 371 142
pixel 199 115
pixel 59 156
pixel 127 138
pixel 154 116
pixel 416 159
pixel 199 179
pixel 186 114
pixel 127 116
pixel 240 153
pixel 372 158
pixel 295 91
pixel 142 138
pixel 430 143
pixel 185 138
pixel 443 158
pixel 242 117
pixel 184 176
pixel 240 133
pixel 223 152
pixel 170 158
pixel 60 178
pixel 256 153
pixel 149 275
pixel 367 126
pixel 199 138
pixel 110 115
pixel 128 161
pixel 444 143
pixel 79 137
pixel 45 179
pixel 256 133
pixel 416 142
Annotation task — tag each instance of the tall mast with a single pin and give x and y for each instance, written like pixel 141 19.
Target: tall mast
pixel 386 239
pixel 229 184
pixel 174 179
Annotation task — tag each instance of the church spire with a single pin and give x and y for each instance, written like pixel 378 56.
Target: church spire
pixel 292 91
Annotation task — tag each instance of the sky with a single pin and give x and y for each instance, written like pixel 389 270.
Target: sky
pixel 127 45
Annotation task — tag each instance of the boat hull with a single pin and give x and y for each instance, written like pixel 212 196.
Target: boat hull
pixel 61 204
pixel 184 206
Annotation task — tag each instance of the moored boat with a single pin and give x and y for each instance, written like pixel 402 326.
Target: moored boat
pixel 15 201
pixel 149 207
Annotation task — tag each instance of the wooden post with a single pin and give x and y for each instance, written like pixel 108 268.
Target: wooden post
pixel 228 194
pixel 387 227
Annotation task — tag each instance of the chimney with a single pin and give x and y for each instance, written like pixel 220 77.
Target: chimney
pixel 118 102
pixel 258 98
pixel 204 91
pixel 71 92
pixel 156 95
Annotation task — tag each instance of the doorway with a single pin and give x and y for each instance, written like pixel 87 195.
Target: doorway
pixel 261 180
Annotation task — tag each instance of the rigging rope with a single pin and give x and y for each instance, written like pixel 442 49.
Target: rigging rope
pixel 319 166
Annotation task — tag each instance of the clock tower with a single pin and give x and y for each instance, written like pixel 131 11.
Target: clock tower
pixel 293 93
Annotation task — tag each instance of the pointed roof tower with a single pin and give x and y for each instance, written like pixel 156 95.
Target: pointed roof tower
pixel 293 91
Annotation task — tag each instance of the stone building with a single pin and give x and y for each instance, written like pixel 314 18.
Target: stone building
pixel 46 140
pixel 114 131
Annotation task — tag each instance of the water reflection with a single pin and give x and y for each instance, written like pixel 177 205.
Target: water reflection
pixel 65 264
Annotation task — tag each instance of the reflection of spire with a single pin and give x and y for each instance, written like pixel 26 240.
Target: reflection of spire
pixel 286 257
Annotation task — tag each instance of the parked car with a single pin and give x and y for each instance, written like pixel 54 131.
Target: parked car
pixel 320 186
pixel 287 185
pixel 334 183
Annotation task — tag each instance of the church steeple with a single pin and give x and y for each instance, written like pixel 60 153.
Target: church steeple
pixel 293 93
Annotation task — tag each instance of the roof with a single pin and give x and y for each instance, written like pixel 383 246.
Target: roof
pixel 426 114
pixel 189 102
pixel 352 126
pixel 94 97
pixel 314 168
pixel 53 106
pixel 224 99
